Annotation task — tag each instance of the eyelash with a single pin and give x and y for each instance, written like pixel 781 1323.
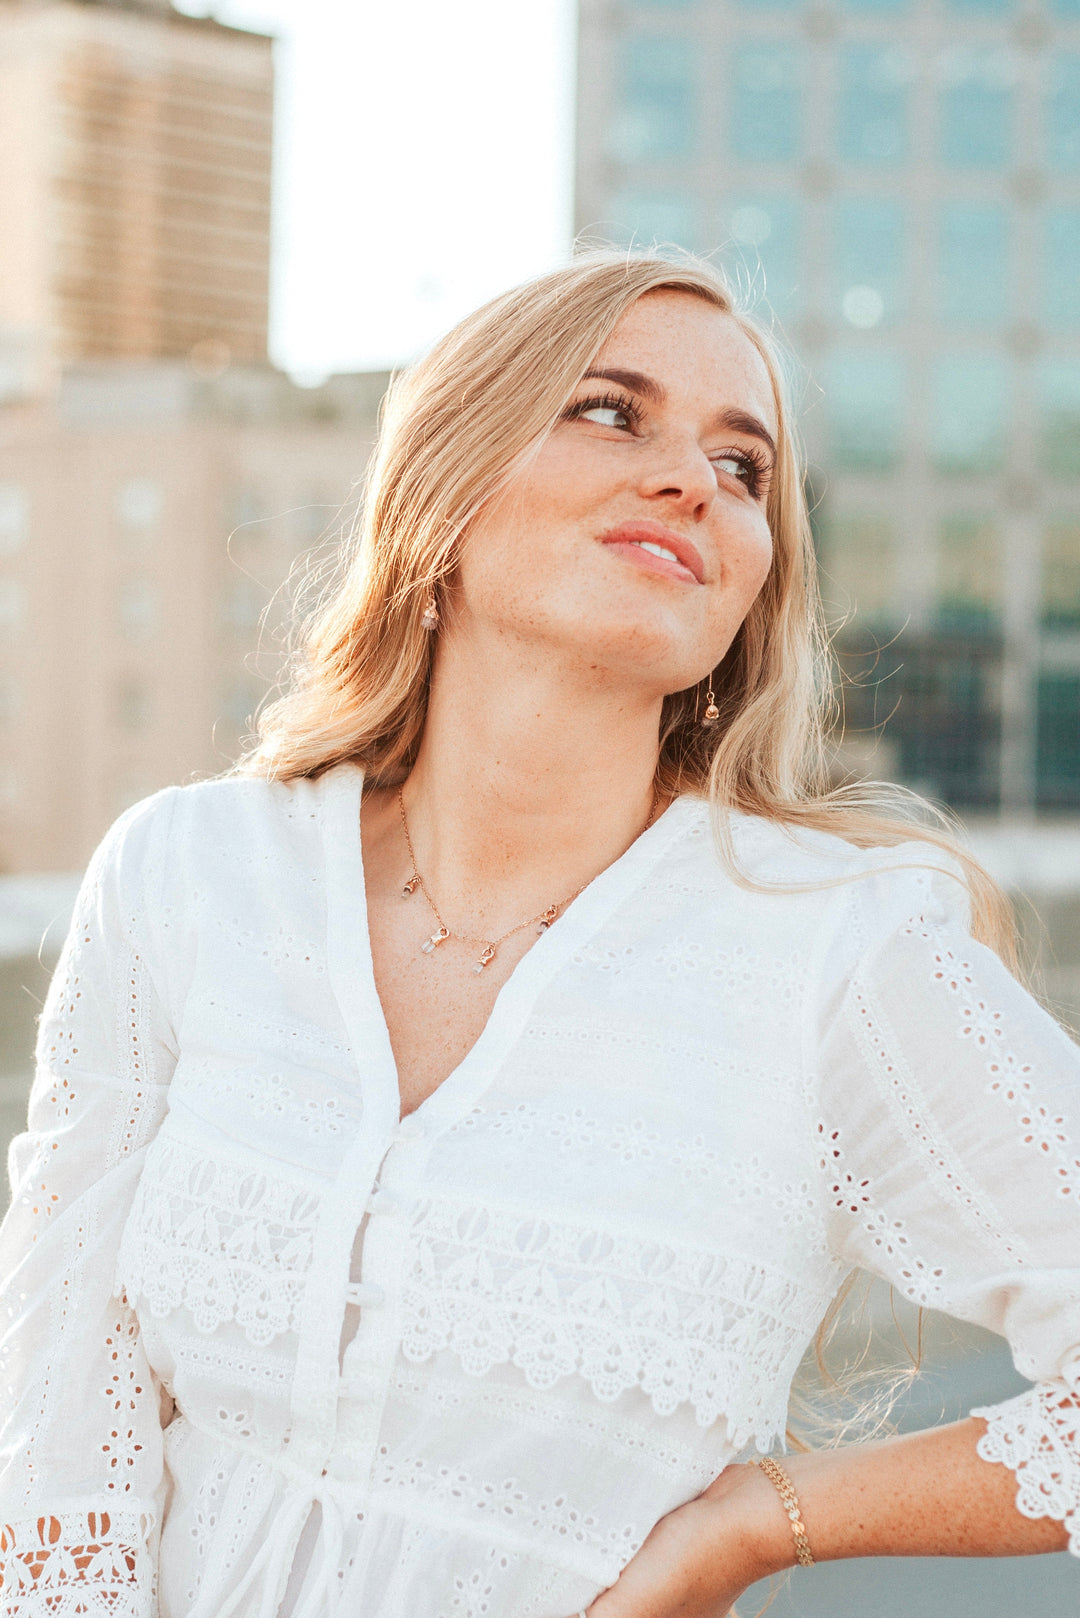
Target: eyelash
pixel 607 401
pixel 755 461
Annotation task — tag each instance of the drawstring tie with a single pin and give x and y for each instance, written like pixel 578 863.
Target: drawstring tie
pixel 274 1557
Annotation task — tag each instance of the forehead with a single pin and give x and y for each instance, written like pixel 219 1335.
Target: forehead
pixel 695 351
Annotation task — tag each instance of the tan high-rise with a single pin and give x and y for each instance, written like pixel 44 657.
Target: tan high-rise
pixel 158 477
pixel 135 149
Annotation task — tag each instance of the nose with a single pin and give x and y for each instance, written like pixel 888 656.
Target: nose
pixel 681 475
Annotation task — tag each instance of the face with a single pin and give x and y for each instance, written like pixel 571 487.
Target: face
pixel 636 540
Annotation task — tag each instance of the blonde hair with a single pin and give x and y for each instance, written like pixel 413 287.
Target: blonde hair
pixel 455 428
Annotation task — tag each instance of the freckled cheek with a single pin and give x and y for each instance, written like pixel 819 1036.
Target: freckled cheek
pixel 764 558
pixel 747 562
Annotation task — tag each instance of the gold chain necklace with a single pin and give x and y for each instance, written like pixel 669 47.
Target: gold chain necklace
pixel 488 946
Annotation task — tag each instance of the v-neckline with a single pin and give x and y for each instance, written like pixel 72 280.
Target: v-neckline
pixel 352 970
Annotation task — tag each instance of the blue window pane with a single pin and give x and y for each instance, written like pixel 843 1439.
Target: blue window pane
pixel 1059 411
pixel 1061 288
pixel 1066 8
pixel 1057 752
pixel 765 103
pixel 1063 114
pixel 869 243
pixel 657 110
pixel 762 252
pixel 973 263
pixel 976 109
pixel 864 397
pixel 970 412
pixel 872 113
pixel 641 218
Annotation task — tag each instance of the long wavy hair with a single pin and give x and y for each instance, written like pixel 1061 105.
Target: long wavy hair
pixel 456 427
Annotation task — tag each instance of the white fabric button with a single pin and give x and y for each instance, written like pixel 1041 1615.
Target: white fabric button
pixel 382 1201
pixel 365 1294
pixel 410 1128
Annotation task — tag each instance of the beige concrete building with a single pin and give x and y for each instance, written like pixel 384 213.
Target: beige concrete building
pixel 135 155
pixel 158 478
pixel 147 516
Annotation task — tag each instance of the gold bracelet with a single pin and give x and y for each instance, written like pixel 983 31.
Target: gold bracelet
pixel 786 1490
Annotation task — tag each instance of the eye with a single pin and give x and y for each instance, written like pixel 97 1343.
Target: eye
pixel 606 415
pixel 748 466
pixel 613 410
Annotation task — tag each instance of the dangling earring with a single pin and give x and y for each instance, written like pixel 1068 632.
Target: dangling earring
pixel 430 620
pixel 712 712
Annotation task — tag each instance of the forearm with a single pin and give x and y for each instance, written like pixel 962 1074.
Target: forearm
pixel 924 1494
pixel 927 1494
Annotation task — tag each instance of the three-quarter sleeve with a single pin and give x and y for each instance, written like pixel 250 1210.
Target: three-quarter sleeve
pixel 81 1469
pixel 950 1139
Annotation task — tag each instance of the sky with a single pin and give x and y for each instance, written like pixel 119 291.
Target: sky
pixel 423 163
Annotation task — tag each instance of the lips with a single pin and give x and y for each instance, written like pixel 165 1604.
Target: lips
pixel 683 560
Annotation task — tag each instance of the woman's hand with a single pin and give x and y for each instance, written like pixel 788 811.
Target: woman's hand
pixel 700 1558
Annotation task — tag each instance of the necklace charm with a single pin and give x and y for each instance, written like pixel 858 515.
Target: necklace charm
pixel 541 922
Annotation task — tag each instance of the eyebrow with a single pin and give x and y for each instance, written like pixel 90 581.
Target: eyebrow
pixel 736 421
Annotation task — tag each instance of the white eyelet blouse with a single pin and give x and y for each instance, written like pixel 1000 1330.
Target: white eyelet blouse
pixel 269 1348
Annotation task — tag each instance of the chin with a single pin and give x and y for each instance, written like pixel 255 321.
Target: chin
pixel 641 654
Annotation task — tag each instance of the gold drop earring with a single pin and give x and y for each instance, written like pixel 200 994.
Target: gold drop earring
pixel 430 620
pixel 712 712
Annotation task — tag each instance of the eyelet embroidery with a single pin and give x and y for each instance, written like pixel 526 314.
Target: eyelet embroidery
pixel 1010 1079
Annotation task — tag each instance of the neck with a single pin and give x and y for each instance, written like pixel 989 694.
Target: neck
pixel 526 787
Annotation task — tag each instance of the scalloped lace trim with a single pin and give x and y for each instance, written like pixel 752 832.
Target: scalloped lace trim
pixel 555 1299
pixel 552 1298
pixel 223 1242
pixel 1037 1436
pixel 93 1564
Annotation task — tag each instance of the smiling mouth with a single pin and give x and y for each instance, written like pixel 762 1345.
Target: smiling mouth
pixel 658 549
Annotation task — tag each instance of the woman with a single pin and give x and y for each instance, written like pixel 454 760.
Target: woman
pixel 443 1151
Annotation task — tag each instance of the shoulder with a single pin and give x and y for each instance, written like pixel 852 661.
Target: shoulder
pixel 863 893
pixel 819 889
pixel 183 830
pixel 784 855
pixel 775 852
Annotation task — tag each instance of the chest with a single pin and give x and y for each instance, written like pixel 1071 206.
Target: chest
pixel 434 1002
pixel 622 1141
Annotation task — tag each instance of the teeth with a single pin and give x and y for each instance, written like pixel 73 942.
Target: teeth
pixel 657 550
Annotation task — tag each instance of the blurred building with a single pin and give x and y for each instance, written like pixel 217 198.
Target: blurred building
pixel 147 516
pixel 898 182
pixel 135 151
pixel 158 478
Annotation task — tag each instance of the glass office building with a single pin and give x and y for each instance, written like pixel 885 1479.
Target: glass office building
pixel 895 185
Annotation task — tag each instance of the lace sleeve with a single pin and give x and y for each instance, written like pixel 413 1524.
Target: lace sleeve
pixel 1037 1435
pixel 81 1471
pixel 950 1139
